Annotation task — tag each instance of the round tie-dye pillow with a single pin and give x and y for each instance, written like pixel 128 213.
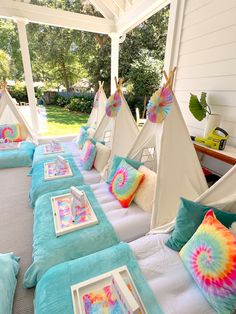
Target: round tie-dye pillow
pixel 125 183
pixel 210 257
pixel 10 132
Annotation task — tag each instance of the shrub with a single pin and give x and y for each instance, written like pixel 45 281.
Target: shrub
pixel 82 103
pixel 62 101
pixel 18 91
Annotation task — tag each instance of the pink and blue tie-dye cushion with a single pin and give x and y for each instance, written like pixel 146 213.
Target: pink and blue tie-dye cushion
pixel 125 183
pixel 210 257
pixel 10 132
pixel 83 136
pixel 88 154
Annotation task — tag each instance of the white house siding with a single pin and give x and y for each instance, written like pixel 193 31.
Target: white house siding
pixel 206 61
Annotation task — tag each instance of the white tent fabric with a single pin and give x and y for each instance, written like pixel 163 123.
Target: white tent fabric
pixel 9 113
pixel 222 194
pixel 98 113
pixel 178 169
pixel 120 132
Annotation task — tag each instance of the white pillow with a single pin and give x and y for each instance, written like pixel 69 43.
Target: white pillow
pixel 91 132
pixel 102 157
pixel 233 228
pixel 144 196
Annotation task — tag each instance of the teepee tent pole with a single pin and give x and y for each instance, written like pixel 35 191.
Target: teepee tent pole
pixel 21 25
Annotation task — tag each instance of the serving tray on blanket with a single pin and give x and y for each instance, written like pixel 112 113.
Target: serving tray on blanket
pixel 49 149
pixel 50 172
pixel 9 146
pixel 63 218
pixel 112 292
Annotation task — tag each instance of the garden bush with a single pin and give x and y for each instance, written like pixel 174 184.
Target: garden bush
pixel 82 103
pixel 62 101
pixel 18 91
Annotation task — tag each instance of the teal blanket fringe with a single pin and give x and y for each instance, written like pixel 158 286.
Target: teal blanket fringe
pixel 69 148
pixel 53 293
pixel 21 157
pixel 49 250
pixel 40 186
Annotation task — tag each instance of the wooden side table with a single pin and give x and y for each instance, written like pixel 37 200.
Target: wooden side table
pixel 227 155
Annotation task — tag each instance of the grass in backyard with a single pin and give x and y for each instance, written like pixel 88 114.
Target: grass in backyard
pixel 63 122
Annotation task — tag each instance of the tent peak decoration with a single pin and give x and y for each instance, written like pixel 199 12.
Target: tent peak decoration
pixel 98 95
pixel 160 104
pixel 114 101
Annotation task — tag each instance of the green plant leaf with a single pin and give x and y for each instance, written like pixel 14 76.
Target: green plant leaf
pixel 196 108
pixel 203 101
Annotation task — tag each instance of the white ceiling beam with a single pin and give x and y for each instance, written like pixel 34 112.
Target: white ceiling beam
pixel 120 4
pixel 55 17
pixel 139 12
pixel 102 8
pixel 112 7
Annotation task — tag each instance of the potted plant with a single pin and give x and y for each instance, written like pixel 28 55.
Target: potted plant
pixel 201 109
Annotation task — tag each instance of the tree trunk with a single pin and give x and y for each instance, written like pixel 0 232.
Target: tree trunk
pixel 65 76
pixel 144 106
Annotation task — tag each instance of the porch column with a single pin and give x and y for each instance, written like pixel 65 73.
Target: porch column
pixel 21 25
pixel 114 60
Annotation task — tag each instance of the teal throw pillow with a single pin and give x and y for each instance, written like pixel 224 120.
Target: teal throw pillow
pixel 189 218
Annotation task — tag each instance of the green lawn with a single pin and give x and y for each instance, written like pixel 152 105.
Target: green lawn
pixel 63 122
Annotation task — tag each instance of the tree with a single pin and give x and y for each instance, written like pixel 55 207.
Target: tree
pixel 4 66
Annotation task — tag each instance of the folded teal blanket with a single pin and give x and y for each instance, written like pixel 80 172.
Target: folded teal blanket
pixel 9 269
pixel 21 157
pixel 40 186
pixel 53 294
pixel 68 147
pixel 49 250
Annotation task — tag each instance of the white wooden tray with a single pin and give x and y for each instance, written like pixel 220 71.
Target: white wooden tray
pixel 48 149
pixel 51 174
pixel 63 219
pixel 96 289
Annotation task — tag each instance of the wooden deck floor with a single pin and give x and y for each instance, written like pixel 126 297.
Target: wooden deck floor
pixel 16 224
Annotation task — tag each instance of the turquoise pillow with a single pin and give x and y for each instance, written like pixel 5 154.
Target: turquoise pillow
pixel 9 269
pixel 189 218
pixel 115 163
pixel 88 154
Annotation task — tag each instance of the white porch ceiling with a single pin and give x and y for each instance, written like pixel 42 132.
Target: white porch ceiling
pixel 119 16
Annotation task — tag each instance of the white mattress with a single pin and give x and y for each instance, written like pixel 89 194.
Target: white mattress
pixel 173 286
pixel 91 176
pixel 129 223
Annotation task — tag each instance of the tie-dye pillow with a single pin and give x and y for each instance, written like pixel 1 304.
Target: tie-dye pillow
pixel 210 257
pixel 125 183
pixel 82 137
pixel 88 154
pixel 10 132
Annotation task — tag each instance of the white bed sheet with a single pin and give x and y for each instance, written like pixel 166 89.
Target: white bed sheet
pixel 173 286
pixel 129 223
pixel 91 176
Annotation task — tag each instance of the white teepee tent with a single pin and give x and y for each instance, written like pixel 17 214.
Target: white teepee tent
pixel 10 114
pixel 98 110
pixel 119 132
pixel 167 148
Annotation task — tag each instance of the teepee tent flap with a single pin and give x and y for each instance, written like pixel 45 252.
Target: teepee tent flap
pixel 9 113
pixel 175 160
pixel 98 111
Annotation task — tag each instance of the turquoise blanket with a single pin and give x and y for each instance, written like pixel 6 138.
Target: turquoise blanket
pixel 69 148
pixel 9 269
pixel 21 157
pixel 53 294
pixel 49 250
pixel 40 186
